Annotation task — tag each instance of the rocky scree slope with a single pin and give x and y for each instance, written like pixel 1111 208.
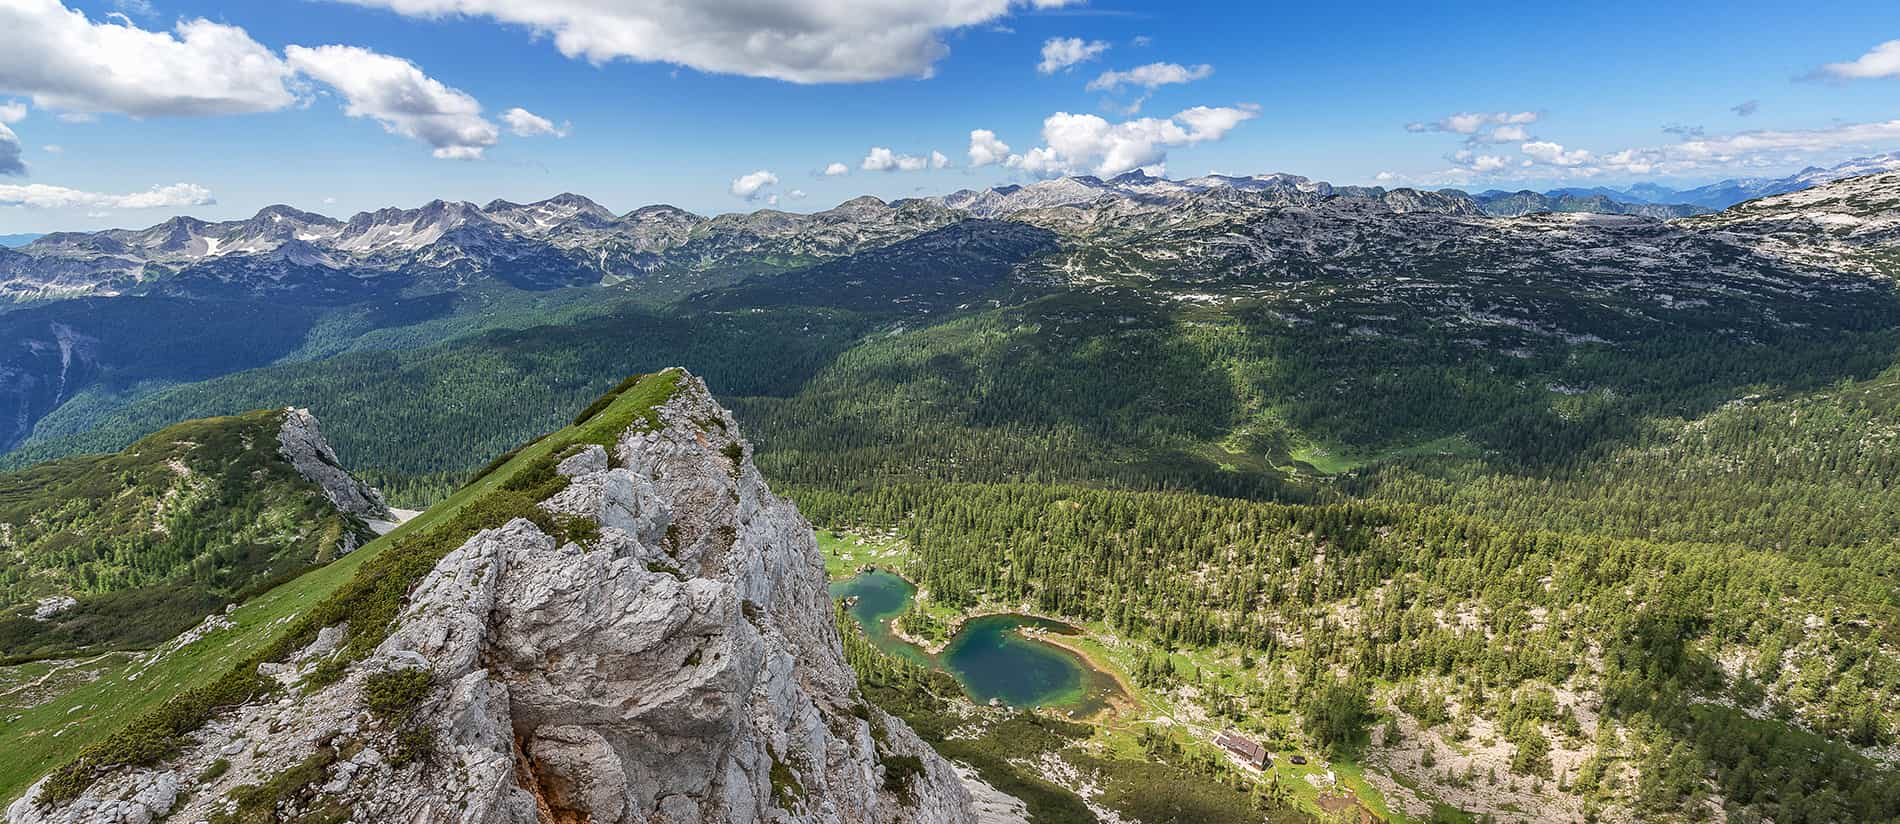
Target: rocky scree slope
pixel 671 656
pixel 1850 225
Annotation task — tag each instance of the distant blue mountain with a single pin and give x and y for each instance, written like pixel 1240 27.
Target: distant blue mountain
pixel 17 240
pixel 1726 193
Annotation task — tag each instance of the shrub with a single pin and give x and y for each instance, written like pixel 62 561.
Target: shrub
pixel 395 695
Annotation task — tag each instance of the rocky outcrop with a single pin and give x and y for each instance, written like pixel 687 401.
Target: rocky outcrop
pixel 302 443
pixel 682 666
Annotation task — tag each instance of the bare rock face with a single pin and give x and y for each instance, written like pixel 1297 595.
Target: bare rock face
pixel 684 666
pixel 302 443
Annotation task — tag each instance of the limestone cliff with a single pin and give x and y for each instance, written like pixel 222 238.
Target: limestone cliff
pixel 301 442
pixel 679 664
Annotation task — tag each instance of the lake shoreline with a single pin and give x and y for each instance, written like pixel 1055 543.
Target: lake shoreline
pixel 1128 702
pixel 1121 698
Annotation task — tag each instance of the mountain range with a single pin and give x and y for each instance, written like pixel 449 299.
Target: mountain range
pixel 1600 504
pixel 569 240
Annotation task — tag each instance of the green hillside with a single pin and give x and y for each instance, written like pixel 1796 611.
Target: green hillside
pixel 151 539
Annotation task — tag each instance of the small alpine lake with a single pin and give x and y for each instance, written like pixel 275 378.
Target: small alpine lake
pixel 994 657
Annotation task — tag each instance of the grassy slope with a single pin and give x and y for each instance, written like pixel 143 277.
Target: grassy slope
pixel 55 732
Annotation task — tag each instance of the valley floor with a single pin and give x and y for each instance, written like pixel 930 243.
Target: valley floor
pixel 1146 726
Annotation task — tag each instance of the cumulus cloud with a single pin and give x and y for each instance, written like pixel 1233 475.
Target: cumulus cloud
pixel 796 194
pixel 837 41
pixel 1151 76
pixel 1555 154
pixel 1086 143
pixel 1697 152
pixel 525 123
pixel 1748 107
pixel 837 170
pixel 1479 163
pixel 63 60
pixel 395 93
pixel 881 159
pixel 12 111
pixel 41 196
pixel 11 152
pixel 1881 61
pixel 749 186
pixel 1752 142
pixel 1059 53
pixel 987 150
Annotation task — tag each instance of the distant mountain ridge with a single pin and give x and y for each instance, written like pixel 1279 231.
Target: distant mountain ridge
pixel 1525 202
pixel 566 240
pixel 284 253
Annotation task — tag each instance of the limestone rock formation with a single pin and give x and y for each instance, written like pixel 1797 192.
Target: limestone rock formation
pixel 683 666
pixel 302 443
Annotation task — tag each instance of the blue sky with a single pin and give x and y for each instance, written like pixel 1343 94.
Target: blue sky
pixel 677 108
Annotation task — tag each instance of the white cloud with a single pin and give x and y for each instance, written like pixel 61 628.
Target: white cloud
pixel 796 194
pixel 1059 53
pixel 748 186
pixel 836 41
pixel 837 169
pixel 986 150
pixel 1811 140
pixel 1140 40
pixel 1545 151
pixel 1757 149
pixel 394 92
pixel 329 201
pixel 41 196
pixel 881 159
pixel 1086 143
pixel 52 148
pixel 525 123
pixel 63 60
pixel 1481 163
pixel 1469 123
pixel 11 152
pixel 1882 61
pixel 1504 134
pixel 12 111
pixel 1151 76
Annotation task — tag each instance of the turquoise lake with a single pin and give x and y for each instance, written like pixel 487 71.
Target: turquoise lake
pixel 990 657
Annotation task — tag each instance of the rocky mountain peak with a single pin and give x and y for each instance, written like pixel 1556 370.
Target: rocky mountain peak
pixel 301 442
pixel 675 660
